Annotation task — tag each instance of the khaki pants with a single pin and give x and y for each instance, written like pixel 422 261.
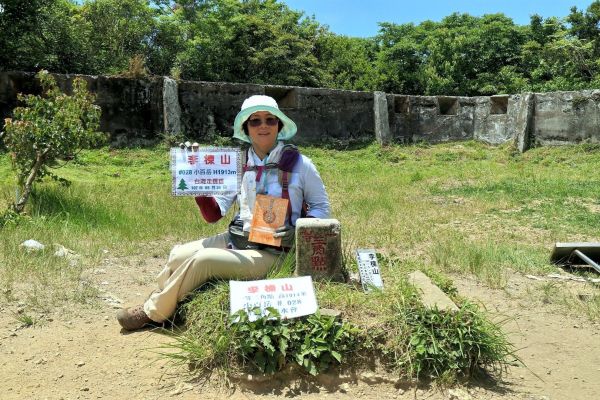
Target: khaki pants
pixel 192 264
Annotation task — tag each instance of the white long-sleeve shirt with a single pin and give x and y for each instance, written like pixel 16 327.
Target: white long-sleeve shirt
pixel 305 183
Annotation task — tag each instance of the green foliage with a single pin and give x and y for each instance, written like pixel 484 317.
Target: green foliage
pixel 269 343
pixel 21 24
pixel 347 62
pixel 49 129
pixel 267 42
pixel 403 335
pixel 263 342
pixel 8 217
pixel 463 342
pixel 315 342
pixel 26 320
pixel 251 41
pixel 326 342
pixel 216 341
pixel 459 55
pixel 114 32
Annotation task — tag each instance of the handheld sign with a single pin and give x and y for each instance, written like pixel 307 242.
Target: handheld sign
pixel 292 297
pixel 206 171
pixel 368 268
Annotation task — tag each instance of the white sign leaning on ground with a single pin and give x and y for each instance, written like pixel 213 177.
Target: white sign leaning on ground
pixel 292 297
pixel 206 171
pixel 370 274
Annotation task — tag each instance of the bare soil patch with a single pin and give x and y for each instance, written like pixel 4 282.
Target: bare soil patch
pixel 81 353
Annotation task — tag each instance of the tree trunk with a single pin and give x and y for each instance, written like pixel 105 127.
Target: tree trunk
pixel 28 187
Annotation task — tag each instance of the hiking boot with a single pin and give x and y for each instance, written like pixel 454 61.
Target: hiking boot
pixel 133 318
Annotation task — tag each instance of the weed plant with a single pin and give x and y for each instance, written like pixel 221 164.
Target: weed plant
pixel 25 320
pixel 448 344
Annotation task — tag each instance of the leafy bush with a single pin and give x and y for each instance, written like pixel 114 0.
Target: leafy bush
pixel 50 128
pixel 269 342
pixel 8 217
pixel 456 343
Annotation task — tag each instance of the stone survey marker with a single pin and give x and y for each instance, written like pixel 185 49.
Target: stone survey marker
pixel 319 249
pixel 205 171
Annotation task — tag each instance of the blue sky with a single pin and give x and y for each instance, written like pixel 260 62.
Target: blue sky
pixel 360 17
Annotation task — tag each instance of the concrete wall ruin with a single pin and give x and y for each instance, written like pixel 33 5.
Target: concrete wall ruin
pixel 132 109
pixel 139 111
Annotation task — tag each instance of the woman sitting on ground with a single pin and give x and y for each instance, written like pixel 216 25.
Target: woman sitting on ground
pixel 265 127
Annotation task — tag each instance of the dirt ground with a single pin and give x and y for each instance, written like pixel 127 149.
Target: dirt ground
pixel 81 353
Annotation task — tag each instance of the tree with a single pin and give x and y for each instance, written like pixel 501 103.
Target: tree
pixel 256 41
pixel 400 58
pixel 49 129
pixel 115 32
pixel 347 62
pixel 467 50
pixel 585 26
pixel 167 40
pixel 31 32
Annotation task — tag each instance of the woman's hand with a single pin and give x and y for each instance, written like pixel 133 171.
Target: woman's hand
pixel 189 146
pixel 287 234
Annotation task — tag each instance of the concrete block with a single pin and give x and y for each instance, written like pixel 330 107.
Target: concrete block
pixel 319 249
pixel 442 119
pixel 209 108
pixel 340 117
pixel 171 107
pixel 431 295
pixel 401 117
pixel 490 119
pixel 563 118
pixel 382 120
pixel 520 120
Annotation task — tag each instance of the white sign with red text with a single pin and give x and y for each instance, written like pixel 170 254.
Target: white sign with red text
pixel 206 171
pixel 292 297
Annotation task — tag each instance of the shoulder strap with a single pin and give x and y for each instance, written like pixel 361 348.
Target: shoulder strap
pixel 287 162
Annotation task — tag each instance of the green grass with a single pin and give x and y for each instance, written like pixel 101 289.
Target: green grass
pixel 461 209
pixel 25 320
pixel 465 207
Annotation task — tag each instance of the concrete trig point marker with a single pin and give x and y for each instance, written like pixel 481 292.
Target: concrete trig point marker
pixel 319 249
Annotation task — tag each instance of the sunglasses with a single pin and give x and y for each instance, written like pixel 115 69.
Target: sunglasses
pixel 269 121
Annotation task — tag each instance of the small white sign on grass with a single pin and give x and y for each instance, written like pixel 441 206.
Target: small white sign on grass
pixel 206 171
pixel 368 267
pixel 292 297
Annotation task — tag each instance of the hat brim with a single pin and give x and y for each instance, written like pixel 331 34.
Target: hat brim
pixel 287 132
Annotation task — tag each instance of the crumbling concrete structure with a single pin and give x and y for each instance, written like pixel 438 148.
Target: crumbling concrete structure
pixel 139 111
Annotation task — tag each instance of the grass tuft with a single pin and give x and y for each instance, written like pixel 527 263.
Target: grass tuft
pixel 26 320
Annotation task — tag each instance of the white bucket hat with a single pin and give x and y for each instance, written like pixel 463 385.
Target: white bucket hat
pixel 262 103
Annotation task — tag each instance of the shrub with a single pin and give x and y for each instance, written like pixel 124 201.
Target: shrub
pixel 49 129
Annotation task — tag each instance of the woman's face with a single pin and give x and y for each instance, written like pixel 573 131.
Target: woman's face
pixel 263 128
